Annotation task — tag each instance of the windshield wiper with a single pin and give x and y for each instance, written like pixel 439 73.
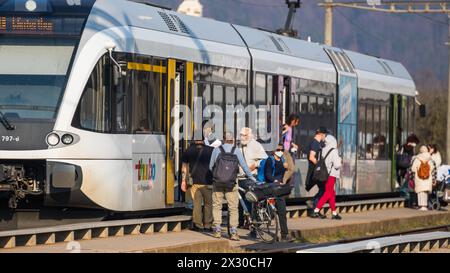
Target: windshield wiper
pixel 8 125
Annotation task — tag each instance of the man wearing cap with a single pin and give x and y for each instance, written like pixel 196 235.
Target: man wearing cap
pixel 232 196
pixel 210 137
pixel 313 151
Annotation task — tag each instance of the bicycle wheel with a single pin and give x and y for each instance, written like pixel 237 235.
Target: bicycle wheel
pixel 266 224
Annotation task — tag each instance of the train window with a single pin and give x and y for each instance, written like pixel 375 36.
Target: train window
pixel 121 107
pixel 312 104
pixel 373 125
pixel 204 91
pixel 369 132
pixel 230 95
pixel 320 105
pixel 381 140
pixel 147 88
pixel 376 130
pixel 411 115
pixel 94 109
pixel 260 89
pixel 303 104
pixel 269 89
pixel 362 130
pixel 140 90
pixel 241 96
pixel 218 95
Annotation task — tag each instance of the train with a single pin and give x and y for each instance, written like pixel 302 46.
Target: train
pixel 89 91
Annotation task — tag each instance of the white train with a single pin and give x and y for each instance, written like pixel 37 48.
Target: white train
pixel 85 88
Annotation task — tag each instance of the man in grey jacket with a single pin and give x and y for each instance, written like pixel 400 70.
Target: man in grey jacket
pixel 232 196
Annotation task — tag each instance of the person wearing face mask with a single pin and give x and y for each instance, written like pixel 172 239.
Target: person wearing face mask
pixel 253 153
pixel 275 168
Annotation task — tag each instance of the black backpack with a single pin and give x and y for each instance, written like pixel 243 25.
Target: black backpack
pixel 321 173
pixel 404 161
pixel 225 170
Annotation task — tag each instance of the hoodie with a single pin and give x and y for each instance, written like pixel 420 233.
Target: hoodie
pixel 333 161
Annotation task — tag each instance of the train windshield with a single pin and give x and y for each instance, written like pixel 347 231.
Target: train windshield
pixel 38 39
pixel 33 74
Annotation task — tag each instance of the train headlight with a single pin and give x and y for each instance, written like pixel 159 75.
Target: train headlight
pixel 67 139
pixel 31 5
pixel 52 139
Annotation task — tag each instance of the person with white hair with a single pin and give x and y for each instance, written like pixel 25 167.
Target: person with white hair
pixel 423 167
pixel 253 153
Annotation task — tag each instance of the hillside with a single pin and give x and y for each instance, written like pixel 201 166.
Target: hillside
pixel 417 41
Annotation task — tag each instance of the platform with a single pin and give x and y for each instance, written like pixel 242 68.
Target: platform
pixel 306 230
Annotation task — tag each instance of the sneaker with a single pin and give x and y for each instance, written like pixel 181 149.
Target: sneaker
pixel 336 217
pixel 287 238
pixel 234 234
pixel 234 237
pixel 423 209
pixel 318 215
pixel 217 232
pixel 195 228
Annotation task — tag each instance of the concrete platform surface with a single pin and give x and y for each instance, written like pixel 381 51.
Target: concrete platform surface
pixel 305 229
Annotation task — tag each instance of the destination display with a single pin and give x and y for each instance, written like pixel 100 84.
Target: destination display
pixel 40 25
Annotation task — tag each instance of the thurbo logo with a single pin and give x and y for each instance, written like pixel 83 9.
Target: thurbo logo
pixel 146 172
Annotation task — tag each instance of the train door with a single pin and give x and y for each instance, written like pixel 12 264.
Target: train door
pixel 179 86
pixel 147 77
pixel 347 118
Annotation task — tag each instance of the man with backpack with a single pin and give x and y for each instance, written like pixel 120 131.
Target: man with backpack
pixel 224 164
pixel 422 168
pixel 274 169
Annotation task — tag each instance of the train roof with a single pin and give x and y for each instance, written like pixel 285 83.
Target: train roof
pixel 213 42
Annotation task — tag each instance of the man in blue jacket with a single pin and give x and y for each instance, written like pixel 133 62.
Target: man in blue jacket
pixel 275 167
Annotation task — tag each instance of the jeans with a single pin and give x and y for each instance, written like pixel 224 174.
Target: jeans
pixel 243 184
pixel 319 194
pixel 281 210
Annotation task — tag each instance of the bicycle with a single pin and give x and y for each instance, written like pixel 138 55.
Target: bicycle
pixel 263 219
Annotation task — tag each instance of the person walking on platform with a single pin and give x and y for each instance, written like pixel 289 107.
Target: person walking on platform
pixel 275 168
pixel 196 163
pixel 253 153
pixel 224 164
pixel 333 164
pixel 423 167
pixel 313 152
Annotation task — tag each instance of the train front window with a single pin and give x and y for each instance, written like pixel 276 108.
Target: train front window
pixel 33 76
